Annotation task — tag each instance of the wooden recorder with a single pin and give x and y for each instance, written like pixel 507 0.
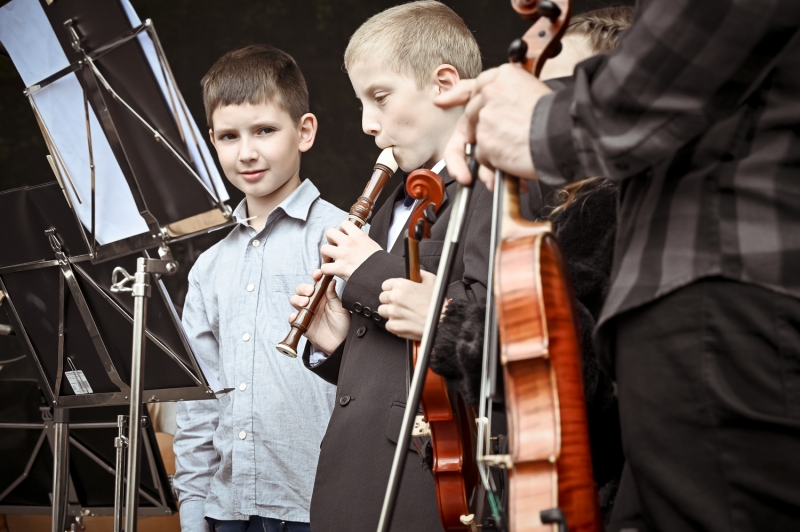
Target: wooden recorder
pixel 384 169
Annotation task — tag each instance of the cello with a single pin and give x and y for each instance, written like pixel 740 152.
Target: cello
pixel 450 421
pixel 549 465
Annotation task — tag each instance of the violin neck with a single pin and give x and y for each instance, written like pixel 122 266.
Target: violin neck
pixel 509 200
pixel 412 260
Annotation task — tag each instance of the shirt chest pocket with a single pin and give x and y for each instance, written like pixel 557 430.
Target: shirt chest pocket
pixel 281 288
pixel 429 253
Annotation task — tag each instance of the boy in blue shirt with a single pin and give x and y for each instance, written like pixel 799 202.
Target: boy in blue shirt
pixel 247 461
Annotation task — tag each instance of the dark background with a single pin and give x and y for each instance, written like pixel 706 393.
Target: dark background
pixel 195 33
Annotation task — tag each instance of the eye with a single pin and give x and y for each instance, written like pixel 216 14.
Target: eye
pixel 381 98
pixel 227 136
pixel 266 130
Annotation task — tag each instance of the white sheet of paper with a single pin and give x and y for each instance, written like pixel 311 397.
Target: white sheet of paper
pixel 33 46
pixel 202 156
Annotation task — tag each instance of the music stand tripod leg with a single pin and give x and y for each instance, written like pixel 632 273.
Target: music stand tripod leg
pixel 120 443
pixel 60 469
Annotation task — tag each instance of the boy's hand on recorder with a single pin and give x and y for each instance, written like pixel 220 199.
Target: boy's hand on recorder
pixel 347 249
pixel 328 327
pixel 405 305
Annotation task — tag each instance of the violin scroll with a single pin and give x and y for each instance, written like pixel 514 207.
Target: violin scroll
pixel 427 188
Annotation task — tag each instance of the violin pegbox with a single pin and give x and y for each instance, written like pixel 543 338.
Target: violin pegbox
pixel 543 39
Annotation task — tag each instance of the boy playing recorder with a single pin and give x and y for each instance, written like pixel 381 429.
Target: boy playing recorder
pixel 247 461
pixel 398 62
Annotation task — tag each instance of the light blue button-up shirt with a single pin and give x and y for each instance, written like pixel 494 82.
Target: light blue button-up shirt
pixel 255 450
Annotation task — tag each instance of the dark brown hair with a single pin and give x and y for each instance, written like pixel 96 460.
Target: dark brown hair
pixel 602 26
pixel 255 74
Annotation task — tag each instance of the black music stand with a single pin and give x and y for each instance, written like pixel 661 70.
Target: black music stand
pixel 131 130
pixel 75 329
pixel 136 174
pixel 28 444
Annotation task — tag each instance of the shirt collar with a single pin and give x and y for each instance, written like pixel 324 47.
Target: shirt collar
pixel 296 205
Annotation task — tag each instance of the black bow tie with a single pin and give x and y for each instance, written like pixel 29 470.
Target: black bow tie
pixel 408 201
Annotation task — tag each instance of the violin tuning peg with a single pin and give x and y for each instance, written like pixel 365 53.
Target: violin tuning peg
pixel 556 49
pixel 548 9
pixel 430 214
pixel 517 52
pixel 419 231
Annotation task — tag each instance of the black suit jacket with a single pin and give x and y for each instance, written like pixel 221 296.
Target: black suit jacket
pixel 369 369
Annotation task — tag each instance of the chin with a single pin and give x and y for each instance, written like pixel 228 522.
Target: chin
pixel 406 163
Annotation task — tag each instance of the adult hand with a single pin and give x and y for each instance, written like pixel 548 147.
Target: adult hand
pixel 405 304
pixel 328 327
pixel 498 117
pixel 347 249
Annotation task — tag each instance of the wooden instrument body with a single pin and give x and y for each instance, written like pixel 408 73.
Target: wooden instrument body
pixel 359 213
pixel 549 451
pixel 451 420
pixel 541 355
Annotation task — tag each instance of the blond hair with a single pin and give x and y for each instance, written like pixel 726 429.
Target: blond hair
pixel 415 38
pixel 602 27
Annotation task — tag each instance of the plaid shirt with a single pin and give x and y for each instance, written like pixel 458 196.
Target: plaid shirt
pixel 696 115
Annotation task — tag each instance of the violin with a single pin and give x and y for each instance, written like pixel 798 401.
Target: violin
pixel 452 238
pixel 360 212
pixel 549 462
pixel 450 421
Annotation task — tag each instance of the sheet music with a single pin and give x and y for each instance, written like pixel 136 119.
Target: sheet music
pixel 33 46
pixel 201 157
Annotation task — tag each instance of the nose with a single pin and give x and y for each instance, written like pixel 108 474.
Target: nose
pixel 370 124
pixel 247 149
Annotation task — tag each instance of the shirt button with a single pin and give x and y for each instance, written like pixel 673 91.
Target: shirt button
pixel 246 337
pixel 242 435
pixel 343 400
pixel 251 287
pixel 361 331
pixel 243 386
pixel 357 307
pixel 367 312
pixel 256 243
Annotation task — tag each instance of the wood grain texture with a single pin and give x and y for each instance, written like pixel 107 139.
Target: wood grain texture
pixel 541 356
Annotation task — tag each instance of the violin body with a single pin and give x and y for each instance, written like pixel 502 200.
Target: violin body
pixel 549 463
pixel 550 455
pixel 452 422
pixel 453 437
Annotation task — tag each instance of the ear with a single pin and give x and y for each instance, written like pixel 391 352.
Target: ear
pixel 445 77
pixel 308 131
pixel 211 136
